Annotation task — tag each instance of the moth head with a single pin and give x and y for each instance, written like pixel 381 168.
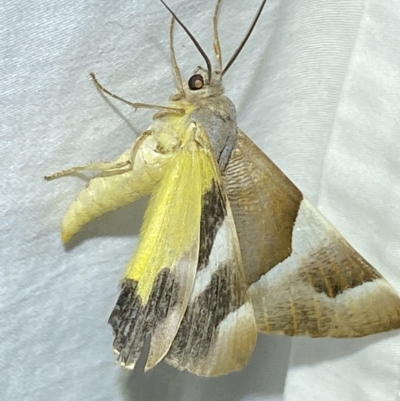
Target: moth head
pixel 205 82
pixel 200 85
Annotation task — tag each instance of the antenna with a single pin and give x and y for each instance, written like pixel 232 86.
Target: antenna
pixel 195 42
pixel 175 68
pixel 217 44
pixel 240 47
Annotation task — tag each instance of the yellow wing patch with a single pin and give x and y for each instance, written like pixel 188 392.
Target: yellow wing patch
pixel 166 238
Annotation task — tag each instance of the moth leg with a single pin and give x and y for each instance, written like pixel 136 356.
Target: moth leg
pixel 101 166
pixel 217 43
pixel 135 105
pixel 105 167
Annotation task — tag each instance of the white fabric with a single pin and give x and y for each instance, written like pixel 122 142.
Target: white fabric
pixel 317 87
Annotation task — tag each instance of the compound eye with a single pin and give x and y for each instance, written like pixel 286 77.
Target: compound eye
pixel 196 82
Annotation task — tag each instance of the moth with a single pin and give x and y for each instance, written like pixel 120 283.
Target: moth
pixel 229 246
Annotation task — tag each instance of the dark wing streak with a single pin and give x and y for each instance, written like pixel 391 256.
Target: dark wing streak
pixel 132 321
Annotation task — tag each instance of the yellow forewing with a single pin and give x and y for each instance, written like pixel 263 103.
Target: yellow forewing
pixel 160 278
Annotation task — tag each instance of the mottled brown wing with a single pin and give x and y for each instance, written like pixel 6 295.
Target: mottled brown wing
pixel 264 204
pixel 304 278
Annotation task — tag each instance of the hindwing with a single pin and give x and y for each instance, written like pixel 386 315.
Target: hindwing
pixel 304 278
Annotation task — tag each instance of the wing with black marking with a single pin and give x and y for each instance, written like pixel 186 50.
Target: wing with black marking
pixel 160 277
pixel 218 333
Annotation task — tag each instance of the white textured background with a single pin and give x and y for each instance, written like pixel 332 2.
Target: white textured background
pixel 317 87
